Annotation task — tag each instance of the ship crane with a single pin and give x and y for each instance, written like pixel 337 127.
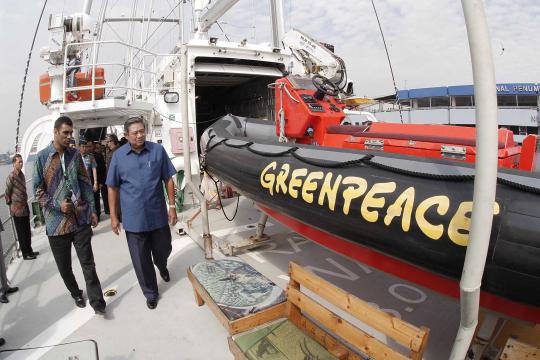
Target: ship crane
pixel 317 59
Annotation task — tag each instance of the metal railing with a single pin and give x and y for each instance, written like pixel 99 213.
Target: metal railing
pixel 139 72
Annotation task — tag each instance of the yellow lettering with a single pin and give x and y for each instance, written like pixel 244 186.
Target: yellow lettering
pixel 281 177
pixel 432 231
pixel 352 192
pixel 370 201
pixel 460 225
pixel 267 180
pixel 329 191
pixel 295 182
pixel 310 186
pixel 402 205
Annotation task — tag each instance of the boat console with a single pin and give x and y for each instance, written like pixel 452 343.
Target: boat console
pixel 307 108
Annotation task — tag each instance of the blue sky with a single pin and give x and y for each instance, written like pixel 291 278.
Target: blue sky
pixel 427 42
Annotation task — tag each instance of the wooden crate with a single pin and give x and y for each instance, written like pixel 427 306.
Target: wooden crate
pixel 517 350
pixel 239 325
pixel 332 331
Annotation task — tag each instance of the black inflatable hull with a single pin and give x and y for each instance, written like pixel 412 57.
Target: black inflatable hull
pixel 414 210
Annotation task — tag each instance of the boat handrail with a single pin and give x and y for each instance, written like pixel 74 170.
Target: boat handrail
pixel 140 78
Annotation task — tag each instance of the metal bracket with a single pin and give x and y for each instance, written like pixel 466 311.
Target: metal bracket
pixel 453 152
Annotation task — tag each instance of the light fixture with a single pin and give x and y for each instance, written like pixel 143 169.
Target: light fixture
pixel 171 97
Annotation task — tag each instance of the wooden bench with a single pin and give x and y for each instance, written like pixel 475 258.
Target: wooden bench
pixel 238 321
pixel 340 338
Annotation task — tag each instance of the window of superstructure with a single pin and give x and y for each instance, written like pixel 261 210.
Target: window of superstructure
pixel 423 103
pixel 440 101
pixel 405 103
pixel 527 100
pixel 507 100
pixel 463 101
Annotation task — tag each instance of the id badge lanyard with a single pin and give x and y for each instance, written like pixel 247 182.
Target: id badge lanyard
pixel 64 173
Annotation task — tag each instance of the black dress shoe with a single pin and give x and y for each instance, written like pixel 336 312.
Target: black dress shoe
pixel 100 310
pixel 79 301
pixel 165 275
pixel 151 304
pixel 29 257
pixel 35 253
pixel 3 299
pixel 2 341
pixel 11 290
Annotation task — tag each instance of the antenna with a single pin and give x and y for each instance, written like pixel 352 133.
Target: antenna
pixel 387 55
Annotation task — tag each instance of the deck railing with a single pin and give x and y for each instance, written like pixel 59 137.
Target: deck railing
pixel 135 78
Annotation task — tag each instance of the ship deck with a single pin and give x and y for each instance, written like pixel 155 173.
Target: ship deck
pixel 42 315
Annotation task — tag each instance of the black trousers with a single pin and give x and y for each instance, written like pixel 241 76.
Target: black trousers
pixel 97 203
pixel 105 197
pixel 24 234
pixel 145 246
pixel 61 249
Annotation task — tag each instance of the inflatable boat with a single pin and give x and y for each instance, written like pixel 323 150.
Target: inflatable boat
pixel 393 196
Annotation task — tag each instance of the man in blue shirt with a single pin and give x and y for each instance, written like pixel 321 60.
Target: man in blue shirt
pixel 136 172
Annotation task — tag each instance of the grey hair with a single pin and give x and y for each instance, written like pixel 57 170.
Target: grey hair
pixel 133 120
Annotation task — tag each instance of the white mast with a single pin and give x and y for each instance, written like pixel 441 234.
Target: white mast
pixel 278 22
pixel 214 12
pixel 87 6
pixel 485 181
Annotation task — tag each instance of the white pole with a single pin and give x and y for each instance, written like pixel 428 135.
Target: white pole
pixel 87 6
pixel 485 181
pixel 184 103
pixel 278 22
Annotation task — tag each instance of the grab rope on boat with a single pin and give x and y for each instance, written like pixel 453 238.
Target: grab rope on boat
pixel 368 159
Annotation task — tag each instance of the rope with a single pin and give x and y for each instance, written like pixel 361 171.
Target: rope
pixel 25 75
pixel 387 55
pixel 219 198
pixel 366 160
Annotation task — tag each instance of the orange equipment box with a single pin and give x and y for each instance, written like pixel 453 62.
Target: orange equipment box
pixel 81 79
pixel 85 79
pixel 44 88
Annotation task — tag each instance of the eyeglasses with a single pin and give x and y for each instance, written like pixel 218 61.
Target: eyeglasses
pixel 135 133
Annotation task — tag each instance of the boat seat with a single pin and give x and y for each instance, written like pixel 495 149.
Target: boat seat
pixel 366 131
pixel 345 129
pixel 441 139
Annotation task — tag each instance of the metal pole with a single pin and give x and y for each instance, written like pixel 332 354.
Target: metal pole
pixel 87 6
pixel 181 21
pixel 278 22
pixel 184 103
pixel 3 275
pixel 486 173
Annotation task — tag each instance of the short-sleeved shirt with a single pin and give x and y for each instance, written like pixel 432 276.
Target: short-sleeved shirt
pixel 140 177
pixel 52 185
pixel 16 196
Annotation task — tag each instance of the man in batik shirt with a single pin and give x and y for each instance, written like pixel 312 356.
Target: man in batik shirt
pixel 17 199
pixel 64 190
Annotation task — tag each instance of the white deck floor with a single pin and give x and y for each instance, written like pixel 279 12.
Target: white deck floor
pixel 42 313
